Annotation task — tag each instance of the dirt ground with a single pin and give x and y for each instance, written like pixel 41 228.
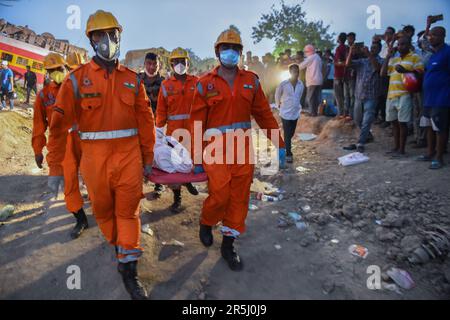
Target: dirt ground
pixel 280 262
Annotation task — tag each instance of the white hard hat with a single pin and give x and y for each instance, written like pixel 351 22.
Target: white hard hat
pixel 4 63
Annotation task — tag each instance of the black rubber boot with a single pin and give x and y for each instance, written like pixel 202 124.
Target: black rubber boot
pixel 82 223
pixel 131 281
pixel 192 189
pixel 230 255
pixel 206 236
pixel 176 206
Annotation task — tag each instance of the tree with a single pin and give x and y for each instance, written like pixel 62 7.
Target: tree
pixel 290 29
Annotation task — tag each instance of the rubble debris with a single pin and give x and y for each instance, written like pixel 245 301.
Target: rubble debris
pixel 435 245
pixel 402 278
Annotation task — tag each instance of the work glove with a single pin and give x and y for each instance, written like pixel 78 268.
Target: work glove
pixel 39 158
pixel 54 182
pixel 198 169
pixel 148 170
pixel 282 158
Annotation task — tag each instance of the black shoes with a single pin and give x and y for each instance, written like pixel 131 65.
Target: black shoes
pixel 206 236
pixel 131 281
pixel 350 147
pixel 176 205
pixel 230 255
pixel 82 223
pixel 191 189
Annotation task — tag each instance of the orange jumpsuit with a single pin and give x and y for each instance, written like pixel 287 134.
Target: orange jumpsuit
pixel 174 103
pixel 116 129
pixel 223 109
pixel 43 109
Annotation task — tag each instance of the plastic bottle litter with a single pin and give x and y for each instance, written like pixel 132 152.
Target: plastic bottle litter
pixel 6 212
pixel 146 229
pixel 358 251
pixel 402 278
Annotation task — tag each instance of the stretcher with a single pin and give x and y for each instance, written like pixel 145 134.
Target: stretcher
pixel 162 177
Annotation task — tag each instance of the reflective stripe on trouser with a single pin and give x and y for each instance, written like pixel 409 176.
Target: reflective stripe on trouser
pixel 71 165
pixel 112 170
pixel 229 196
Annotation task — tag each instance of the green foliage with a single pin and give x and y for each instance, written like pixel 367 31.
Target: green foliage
pixel 289 28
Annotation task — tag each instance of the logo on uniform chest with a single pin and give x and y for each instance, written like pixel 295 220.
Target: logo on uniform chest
pixel 50 100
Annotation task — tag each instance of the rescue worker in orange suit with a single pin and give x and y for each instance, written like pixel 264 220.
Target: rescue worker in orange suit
pixel 117 133
pixel 71 166
pixel 43 109
pixel 224 101
pixel 174 105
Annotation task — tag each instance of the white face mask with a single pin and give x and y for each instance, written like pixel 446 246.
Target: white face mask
pixel 180 69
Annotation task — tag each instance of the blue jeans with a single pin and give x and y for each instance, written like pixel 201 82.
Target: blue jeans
pixel 364 115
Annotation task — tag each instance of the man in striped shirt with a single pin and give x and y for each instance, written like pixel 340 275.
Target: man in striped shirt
pixel 399 102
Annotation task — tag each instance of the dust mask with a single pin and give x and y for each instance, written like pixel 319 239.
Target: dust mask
pixel 180 69
pixel 57 76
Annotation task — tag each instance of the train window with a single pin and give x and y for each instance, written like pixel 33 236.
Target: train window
pixel 37 66
pixel 22 61
pixel 6 56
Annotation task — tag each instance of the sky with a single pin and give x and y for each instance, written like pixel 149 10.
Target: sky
pixel 196 24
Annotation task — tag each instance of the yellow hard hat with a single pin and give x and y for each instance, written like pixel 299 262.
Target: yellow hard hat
pixel 179 53
pixel 230 36
pixel 53 61
pixel 102 20
pixel 74 59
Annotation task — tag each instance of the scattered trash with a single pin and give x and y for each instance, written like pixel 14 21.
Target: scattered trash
pixel 306 208
pixel 335 241
pixel 294 216
pixel 436 244
pixel 352 159
pixel 146 229
pixel 267 198
pixel 263 187
pixel 6 212
pixel 378 222
pixel 387 182
pixel 275 212
pixel 283 223
pixel 277 246
pixel 301 225
pixel 402 278
pixel 252 207
pixel 173 242
pixel 307 136
pixel 358 251
pixel 302 169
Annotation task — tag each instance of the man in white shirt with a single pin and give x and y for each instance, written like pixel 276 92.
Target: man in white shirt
pixel 314 78
pixel 287 98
